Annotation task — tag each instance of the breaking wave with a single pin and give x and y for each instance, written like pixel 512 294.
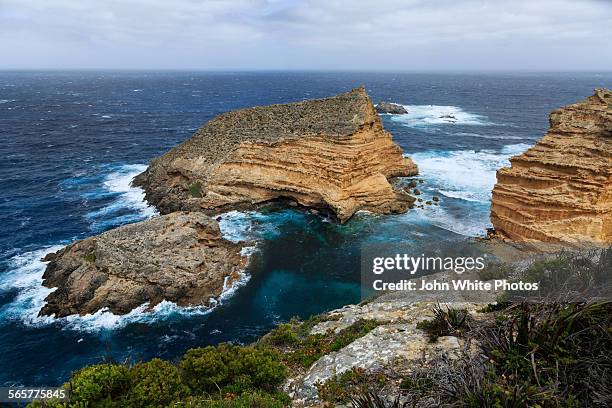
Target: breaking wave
pixel 465 174
pixel 128 203
pixel 464 179
pixel 426 115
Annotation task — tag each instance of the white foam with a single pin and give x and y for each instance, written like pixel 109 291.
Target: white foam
pixel 25 276
pixel 129 198
pixel 490 137
pixel 464 174
pixel 239 226
pixel 427 115
pixel 235 225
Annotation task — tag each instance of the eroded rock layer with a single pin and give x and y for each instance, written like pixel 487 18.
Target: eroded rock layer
pixel 560 190
pixel 328 153
pixel 180 257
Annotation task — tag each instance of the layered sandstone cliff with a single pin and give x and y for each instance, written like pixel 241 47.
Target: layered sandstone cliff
pixel 180 257
pixel 331 154
pixel 560 190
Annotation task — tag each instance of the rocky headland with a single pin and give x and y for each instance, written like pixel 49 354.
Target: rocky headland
pixel 331 154
pixel 560 190
pixel 180 257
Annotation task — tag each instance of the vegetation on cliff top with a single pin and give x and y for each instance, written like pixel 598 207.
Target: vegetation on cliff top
pixel 550 354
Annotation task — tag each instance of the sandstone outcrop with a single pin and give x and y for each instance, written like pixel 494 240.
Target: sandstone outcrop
pixel 180 257
pixel 560 190
pixel 331 154
pixel 392 108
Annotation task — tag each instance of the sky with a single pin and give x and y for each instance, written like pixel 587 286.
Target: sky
pixel 368 35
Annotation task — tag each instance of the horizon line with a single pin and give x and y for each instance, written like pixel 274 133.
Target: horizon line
pixel 312 70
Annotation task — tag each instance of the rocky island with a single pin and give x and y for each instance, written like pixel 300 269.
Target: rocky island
pixel 391 108
pixel 560 190
pixel 331 154
pixel 180 257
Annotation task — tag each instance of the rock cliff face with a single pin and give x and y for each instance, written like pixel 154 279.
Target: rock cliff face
pixel 180 257
pixel 331 154
pixel 560 190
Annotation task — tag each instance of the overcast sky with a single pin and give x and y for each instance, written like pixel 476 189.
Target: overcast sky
pixel 301 34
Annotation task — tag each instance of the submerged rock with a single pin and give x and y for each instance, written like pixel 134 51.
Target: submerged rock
pixel 180 257
pixel 560 190
pixel 331 154
pixel 392 108
pixel 449 118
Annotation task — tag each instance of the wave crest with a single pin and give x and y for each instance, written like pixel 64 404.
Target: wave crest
pixel 419 116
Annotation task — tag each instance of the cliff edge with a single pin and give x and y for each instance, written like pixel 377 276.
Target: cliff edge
pixel 332 154
pixel 560 190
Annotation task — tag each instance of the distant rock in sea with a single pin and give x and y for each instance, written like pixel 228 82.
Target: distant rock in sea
pixel 180 257
pixel 330 154
pixel 560 190
pixel 392 108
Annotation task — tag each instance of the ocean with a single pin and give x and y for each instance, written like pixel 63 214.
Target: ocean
pixel 72 141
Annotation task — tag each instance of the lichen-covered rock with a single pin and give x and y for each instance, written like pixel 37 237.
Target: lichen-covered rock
pixel 392 108
pixel 180 257
pixel 396 341
pixel 560 190
pixel 331 154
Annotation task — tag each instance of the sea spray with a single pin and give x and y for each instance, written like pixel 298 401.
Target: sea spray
pixel 422 116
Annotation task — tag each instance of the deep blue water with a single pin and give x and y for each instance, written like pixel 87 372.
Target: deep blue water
pixel 71 141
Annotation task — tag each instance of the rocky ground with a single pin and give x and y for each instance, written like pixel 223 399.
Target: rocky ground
pixel 396 344
pixel 180 257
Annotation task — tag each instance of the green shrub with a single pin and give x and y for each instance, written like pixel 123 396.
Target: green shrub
pixel 358 329
pixel 91 257
pixel 310 349
pixel 340 388
pixel 416 384
pixel 102 385
pixel 548 352
pixel 282 335
pixel 254 399
pixel 156 383
pixel 196 189
pixel 449 322
pixel 372 399
pixel 568 276
pixel 234 369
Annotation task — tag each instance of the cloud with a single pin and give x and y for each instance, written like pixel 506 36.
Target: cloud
pixel 315 34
